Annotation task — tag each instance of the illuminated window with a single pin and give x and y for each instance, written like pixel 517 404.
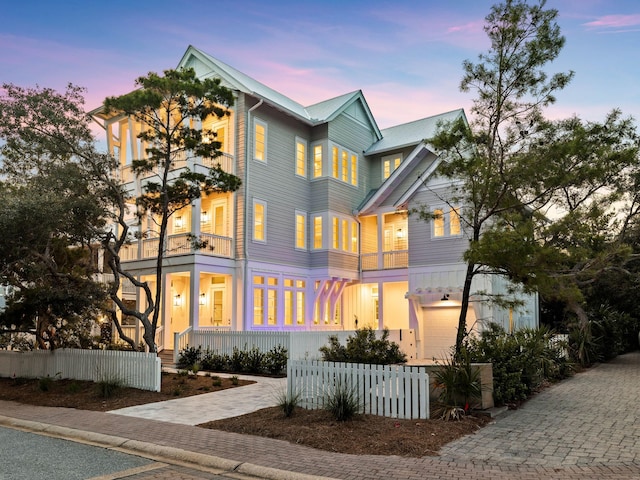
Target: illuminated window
pixel 390 164
pixel 258 301
pixel 294 302
pixel 438 223
pixel 335 156
pixel 354 237
pixel 345 166
pixel 317 161
pixel 259 221
pixel 260 141
pixel 317 232
pixel 345 235
pixel 301 158
pixel 454 221
pixel 336 233
pixel 301 230
pixel 265 300
pixel 354 169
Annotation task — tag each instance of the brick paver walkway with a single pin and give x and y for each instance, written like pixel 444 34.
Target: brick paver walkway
pixel 587 427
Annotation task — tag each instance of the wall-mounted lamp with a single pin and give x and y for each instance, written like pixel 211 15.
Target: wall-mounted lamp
pixel 177 300
pixel 203 299
pixel 445 297
pixel 400 233
pixel 374 292
pixel 204 216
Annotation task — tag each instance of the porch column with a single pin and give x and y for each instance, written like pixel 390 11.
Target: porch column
pixel 194 304
pixel 380 227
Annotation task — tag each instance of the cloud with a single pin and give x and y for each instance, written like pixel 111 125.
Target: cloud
pixel 614 22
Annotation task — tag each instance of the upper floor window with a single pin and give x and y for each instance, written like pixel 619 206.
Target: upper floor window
pixel 446 222
pixel 317 161
pixel 301 157
pixel 301 230
pixel 317 232
pixel 259 221
pixel 389 165
pixel 344 235
pixel 344 165
pixel 335 162
pixel 259 140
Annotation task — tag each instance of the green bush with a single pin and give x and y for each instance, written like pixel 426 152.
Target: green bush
pixel 237 359
pixel 215 362
pixel 288 402
pixel 109 387
pixel 343 401
pixel 459 386
pixel 45 383
pixel 364 347
pixel 522 361
pixel 253 361
pixel 275 360
pixel 189 356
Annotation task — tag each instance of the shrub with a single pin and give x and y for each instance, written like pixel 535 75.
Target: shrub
pixel 234 380
pixel 288 402
pixel 253 361
pixel 214 361
pixel 459 386
pixel 216 382
pixel 364 347
pixel 189 356
pixel 275 360
pixel 109 387
pixel 45 383
pixel 237 360
pixel 343 401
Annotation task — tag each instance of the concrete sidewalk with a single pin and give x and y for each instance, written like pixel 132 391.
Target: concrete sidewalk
pixel 587 427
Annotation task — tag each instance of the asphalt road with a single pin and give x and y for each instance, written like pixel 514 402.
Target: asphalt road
pixel 29 456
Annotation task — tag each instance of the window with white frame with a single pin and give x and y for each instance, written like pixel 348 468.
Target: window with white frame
pixel 335 162
pixel 301 230
pixel 344 234
pixel 389 164
pixel 446 222
pixel 265 300
pixel 317 232
pixel 259 221
pixel 259 140
pixel 294 298
pixel 317 161
pixel 301 157
pixel 344 165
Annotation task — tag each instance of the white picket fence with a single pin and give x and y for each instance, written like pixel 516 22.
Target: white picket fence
pixel 395 391
pixel 133 369
pixel 300 345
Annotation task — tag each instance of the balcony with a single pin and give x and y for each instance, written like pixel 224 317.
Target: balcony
pixel 216 246
pixel 226 161
pixel 384 260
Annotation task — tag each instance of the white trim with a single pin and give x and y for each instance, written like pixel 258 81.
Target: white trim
pixel 263 124
pixel 255 202
pixel 305 143
pixel 305 230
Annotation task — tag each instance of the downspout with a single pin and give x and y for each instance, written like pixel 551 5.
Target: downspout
pixel 247 141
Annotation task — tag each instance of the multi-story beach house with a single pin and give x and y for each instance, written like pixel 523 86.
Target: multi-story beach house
pixel 318 236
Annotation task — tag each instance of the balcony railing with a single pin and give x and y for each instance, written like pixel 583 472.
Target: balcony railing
pixel 216 246
pixel 225 160
pixel 385 260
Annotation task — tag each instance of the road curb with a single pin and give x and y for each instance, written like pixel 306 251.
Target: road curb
pixel 155 452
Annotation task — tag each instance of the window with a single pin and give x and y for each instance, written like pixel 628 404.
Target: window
pixel 317 161
pixel 265 300
pixel 335 162
pixel 345 166
pixel 301 157
pixel 259 221
pixel 354 237
pixel 260 140
pixel 294 291
pixel 390 164
pixel 336 233
pixel 438 223
pixel 345 235
pixel 317 232
pixel 354 169
pixel 301 230
pixel 446 222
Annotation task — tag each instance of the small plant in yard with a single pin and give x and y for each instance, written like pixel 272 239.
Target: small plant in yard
pixel 288 402
pixel 343 401
pixel 195 368
pixel 459 385
pixel 214 361
pixel 237 360
pixel 177 391
pixel 189 356
pixel 275 360
pixel 109 387
pixel 235 380
pixel 253 361
pixel 216 382
pixel 364 347
pixel 45 383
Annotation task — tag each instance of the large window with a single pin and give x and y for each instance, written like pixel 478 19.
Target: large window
pixel 259 221
pixel 294 292
pixel 336 233
pixel 260 140
pixel 301 157
pixel 390 164
pixel 446 222
pixel 317 161
pixel 301 230
pixel 335 162
pixel 344 165
pixel 265 300
pixel 317 232
pixel 344 234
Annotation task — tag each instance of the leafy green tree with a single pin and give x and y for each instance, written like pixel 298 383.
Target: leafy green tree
pixel 49 215
pixel 171 109
pixel 536 195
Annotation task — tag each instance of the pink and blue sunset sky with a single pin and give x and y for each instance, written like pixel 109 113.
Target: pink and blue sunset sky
pixel 405 55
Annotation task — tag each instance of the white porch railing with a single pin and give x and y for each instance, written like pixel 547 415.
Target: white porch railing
pixel 395 391
pixel 180 244
pixel 385 260
pixel 133 369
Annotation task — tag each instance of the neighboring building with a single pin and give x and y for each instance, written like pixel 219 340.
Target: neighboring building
pixel 317 237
